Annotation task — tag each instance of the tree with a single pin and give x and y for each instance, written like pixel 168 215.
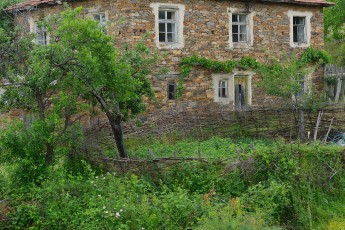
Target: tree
pixel 335 31
pixel 288 81
pixel 32 76
pixel 81 61
pixel 115 79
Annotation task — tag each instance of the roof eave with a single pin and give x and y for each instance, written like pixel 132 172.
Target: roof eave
pixel 323 4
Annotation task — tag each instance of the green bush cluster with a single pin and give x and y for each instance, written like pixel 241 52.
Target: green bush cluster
pixel 249 185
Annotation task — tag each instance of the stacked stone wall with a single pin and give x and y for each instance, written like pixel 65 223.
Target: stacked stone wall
pixel 206 32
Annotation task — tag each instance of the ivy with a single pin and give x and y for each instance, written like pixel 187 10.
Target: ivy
pixel 309 56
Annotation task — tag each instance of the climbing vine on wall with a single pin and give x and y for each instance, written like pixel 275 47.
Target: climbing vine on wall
pixel 309 56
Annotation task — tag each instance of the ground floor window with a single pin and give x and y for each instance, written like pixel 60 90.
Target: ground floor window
pixel 171 90
pixel 232 89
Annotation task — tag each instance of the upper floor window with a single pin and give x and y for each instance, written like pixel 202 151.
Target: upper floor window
pixel 239 28
pixel 167 21
pixel 299 30
pixel 41 35
pixel 169 25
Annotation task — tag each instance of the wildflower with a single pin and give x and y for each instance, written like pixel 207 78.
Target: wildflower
pixel 99 195
pixel 103 207
pixel 121 210
pixel 117 215
pixel 96 177
pixel 92 182
pixel 106 212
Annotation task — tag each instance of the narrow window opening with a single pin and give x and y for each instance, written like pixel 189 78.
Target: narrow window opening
pixel 223 89
pixel 171 90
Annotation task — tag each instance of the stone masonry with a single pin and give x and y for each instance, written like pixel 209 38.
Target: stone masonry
pixel 206 31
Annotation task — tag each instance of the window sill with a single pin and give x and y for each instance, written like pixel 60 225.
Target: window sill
pixel 170 46
pixel 300 45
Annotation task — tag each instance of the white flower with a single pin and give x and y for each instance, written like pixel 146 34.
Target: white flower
pixel 92 182
pixel 121 210
pixel 96 177
pixel 142 228
pixel 99 195
pixel 106 212
pixel 117 214
pixel 103 207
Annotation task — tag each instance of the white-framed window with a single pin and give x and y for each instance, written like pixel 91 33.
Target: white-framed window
pixel 40 30
pixel 223 88
pixel 41 34
pixel 240 28
pixel 100 17
pixel 300 28
pixel 233 89
pixel 168 25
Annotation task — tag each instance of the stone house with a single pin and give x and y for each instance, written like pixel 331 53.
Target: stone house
pixel 219 30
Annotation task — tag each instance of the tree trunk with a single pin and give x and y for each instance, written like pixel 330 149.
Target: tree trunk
pixel 116 127
pixel 49 146
pixel 301 125
pixel 49 153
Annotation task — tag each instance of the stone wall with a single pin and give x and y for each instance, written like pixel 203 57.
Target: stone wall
pixel 206 32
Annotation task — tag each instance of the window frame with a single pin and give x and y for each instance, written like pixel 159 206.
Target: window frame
pixel 239 25
pixel 41 34
pixel 222 87
pixel 230 79
pixel 36 29
pixel 307 28
pixel 103 13
pixel 249 28
pixel 179 10
pixel 165 22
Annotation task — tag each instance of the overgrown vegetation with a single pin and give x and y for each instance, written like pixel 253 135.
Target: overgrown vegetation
pixel 245 185
pixel 335 32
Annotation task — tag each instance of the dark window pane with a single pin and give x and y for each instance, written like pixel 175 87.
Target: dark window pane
pixel 161 14
pixel 235 29
pixel 235 37
pixel 161 27
pixel 234 18
pixel 170 15
pixel 295 34
pixel 171 91
pixel 162 37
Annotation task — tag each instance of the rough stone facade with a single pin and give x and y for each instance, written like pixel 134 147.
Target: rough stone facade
pixel 206 31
